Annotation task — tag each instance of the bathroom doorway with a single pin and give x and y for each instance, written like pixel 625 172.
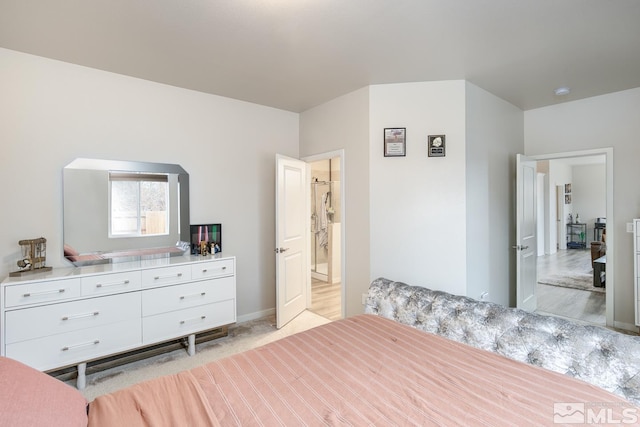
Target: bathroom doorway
pixel 326 240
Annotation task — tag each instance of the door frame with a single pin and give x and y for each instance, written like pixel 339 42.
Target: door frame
pixel 608 153
pixel 343 207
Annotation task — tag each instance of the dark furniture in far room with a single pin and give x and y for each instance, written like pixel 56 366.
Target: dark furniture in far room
pixel 576 235
pixel 599 260
pixel 599 228
pixel 599 271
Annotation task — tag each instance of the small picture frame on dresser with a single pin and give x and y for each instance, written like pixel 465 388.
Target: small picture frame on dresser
pixel 206 239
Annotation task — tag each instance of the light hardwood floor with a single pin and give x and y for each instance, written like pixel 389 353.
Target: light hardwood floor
pixel 575 304
pixel 326 299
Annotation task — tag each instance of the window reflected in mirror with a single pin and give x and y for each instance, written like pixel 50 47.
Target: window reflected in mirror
pixel 138 204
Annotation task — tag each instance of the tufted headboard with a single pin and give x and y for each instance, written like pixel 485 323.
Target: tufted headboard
pixel 608 359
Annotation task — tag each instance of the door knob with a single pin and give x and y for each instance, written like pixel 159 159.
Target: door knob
pixel 280 250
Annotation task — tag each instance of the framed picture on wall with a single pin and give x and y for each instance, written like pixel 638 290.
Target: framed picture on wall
pixel 567 199
pixel 436 147
pixel 395 142
pixel 567 188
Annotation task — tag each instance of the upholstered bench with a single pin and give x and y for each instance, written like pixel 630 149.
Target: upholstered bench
pixel 605 358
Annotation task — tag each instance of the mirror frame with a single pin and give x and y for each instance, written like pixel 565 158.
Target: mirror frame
pixel 134 166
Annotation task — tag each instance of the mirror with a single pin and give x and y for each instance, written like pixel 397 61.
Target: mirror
pixel 118 211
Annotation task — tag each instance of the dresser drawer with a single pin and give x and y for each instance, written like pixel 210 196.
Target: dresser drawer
pixel 29 323
pixel 110 283
pixel 61 350
pixel 41 292
pixel 166 276
pixel 175 324
pixel 210 269
pixel 171 298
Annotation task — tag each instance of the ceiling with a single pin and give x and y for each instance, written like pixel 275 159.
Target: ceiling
pixel 296 54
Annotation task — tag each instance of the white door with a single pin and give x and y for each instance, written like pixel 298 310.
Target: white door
pixel 292 244
pixel 526 271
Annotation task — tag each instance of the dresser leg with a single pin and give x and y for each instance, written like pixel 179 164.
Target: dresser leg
pixel 82 378
pixel 192 345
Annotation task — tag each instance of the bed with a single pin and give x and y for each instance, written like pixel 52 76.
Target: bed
pixel 363 370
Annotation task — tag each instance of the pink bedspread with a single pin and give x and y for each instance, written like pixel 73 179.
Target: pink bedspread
pixel 364 370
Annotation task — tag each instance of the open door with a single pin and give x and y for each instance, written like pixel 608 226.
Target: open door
pixel 292 234
pixel 526 271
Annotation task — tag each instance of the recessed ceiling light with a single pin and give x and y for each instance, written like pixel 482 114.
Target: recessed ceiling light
pixel 561 91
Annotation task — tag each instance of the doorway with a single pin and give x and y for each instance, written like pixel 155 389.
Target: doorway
pixel 326 229
pixel 577 201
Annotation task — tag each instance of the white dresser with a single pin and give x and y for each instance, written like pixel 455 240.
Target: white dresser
pixel 636 267
pixel 73 315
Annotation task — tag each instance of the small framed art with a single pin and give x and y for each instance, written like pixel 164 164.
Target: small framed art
pixel 436 146
pixel 395 142
pixel 206 239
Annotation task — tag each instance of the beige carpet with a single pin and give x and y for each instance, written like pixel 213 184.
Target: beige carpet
pixel 242 336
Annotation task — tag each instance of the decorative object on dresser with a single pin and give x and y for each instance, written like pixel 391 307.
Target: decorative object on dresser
pixel 70 316
pixel 206 239
pixel 34 257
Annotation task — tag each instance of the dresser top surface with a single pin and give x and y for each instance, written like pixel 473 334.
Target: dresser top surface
pixel 70 272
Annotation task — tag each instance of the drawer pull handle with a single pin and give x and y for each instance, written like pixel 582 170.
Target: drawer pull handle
pixel 204 270
pixel 168 276
pixel 195 319
pixel 35 294
pixel 80 316
pixel 106 285
pixel 201 294
pixel 86 344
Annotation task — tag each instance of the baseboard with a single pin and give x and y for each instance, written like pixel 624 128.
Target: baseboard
pixel 625 326
pixel 256 315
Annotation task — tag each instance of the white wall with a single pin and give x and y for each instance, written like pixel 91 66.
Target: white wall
pixel 494 135
pixel 52 112
pixel 343 124
pixel 418 203
pixel 445 223
pixel 604 121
